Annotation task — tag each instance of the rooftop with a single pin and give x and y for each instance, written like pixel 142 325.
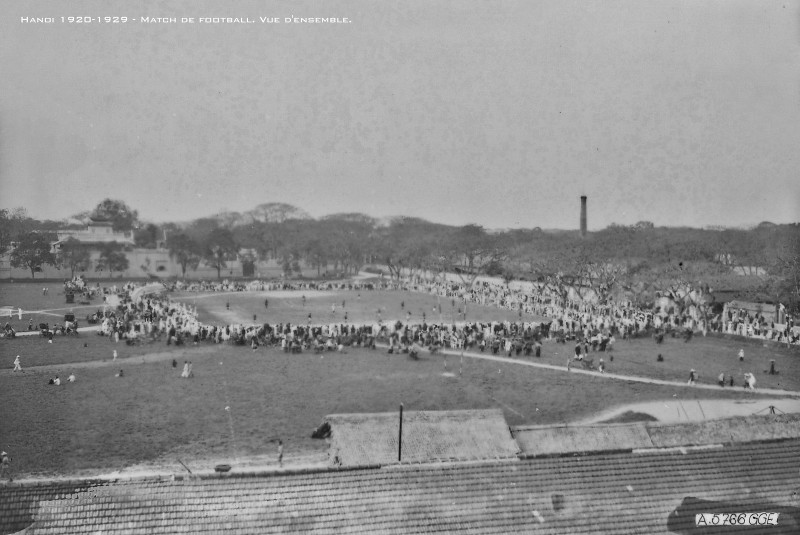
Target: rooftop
pixel 602 493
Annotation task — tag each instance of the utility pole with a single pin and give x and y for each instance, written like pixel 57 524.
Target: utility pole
pixel 400 437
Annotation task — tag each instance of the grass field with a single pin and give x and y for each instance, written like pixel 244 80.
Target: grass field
pixel 360 307
pixel 40 308
pixel 152 416
pixel 709 356
pixel 106 422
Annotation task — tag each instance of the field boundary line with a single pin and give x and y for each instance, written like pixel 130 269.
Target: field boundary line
pixel 634 378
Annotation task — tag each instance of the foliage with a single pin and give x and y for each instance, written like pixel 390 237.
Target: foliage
pixel 147 236
pixel 33 252
pixel 786 270
pixel 119 213
pixel 219 247
pixel 112 258
pixel 74 255
pixel 184 250
pixel 12 224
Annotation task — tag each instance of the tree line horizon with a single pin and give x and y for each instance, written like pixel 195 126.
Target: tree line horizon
pixel 636 262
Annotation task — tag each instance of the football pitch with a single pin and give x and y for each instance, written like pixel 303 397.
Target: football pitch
pixel 241 402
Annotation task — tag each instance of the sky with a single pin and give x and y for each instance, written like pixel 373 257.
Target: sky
pixel 502 114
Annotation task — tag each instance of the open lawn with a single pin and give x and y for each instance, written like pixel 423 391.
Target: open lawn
pixel 88 346
pixel 709 356
pixel 41 308
pixel 103 422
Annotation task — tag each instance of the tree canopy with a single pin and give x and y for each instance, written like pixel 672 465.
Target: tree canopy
pixel 33 252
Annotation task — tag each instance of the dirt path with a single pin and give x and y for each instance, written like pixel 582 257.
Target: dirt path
pixel 612 376
pixel 188 352
pixel 80 330
pixel 676 410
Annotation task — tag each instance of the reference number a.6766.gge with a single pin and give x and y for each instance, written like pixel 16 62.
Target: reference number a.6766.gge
pixel 734 519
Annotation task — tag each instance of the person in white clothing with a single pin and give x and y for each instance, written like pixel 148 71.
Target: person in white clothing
pixel 17 365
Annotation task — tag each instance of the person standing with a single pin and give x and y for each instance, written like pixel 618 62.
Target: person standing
pixel 741 355
pixel 721 379
pixel 692 377
pixel 17 365
pixel 5 466
pixel 280 452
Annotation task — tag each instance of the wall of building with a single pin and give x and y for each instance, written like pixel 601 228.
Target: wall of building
pixel 144 263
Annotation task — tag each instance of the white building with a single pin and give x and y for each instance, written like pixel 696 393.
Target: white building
pixel 98 231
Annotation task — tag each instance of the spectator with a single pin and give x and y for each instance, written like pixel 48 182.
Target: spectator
pixel 5 466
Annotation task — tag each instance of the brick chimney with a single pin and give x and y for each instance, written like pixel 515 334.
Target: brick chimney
pixel 583 216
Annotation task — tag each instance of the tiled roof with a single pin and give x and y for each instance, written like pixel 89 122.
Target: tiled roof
pixel 370 439
pixel 604 493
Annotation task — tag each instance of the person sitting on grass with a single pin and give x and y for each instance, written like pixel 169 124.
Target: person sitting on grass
pixel 57 381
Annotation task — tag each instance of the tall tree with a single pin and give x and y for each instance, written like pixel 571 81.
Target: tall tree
pixel 786 270
pixel 112 258
pixel 12 224
pixel 219 247
pixel 74 255
pixel 33 252
pixel 147 236
pixel 184 250
pixel 120 214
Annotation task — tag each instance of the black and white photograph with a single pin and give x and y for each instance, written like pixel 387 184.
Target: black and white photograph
pixel 413 266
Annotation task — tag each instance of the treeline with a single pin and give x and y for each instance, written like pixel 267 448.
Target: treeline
pixel 636 262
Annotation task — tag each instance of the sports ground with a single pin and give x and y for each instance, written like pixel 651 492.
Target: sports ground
pixel 241 402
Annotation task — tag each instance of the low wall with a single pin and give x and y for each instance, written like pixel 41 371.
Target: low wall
pixel 561 440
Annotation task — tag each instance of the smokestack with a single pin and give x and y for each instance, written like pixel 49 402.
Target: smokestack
pixel 583 216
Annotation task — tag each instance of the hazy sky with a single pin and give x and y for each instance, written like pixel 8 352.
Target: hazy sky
pixel 497 113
